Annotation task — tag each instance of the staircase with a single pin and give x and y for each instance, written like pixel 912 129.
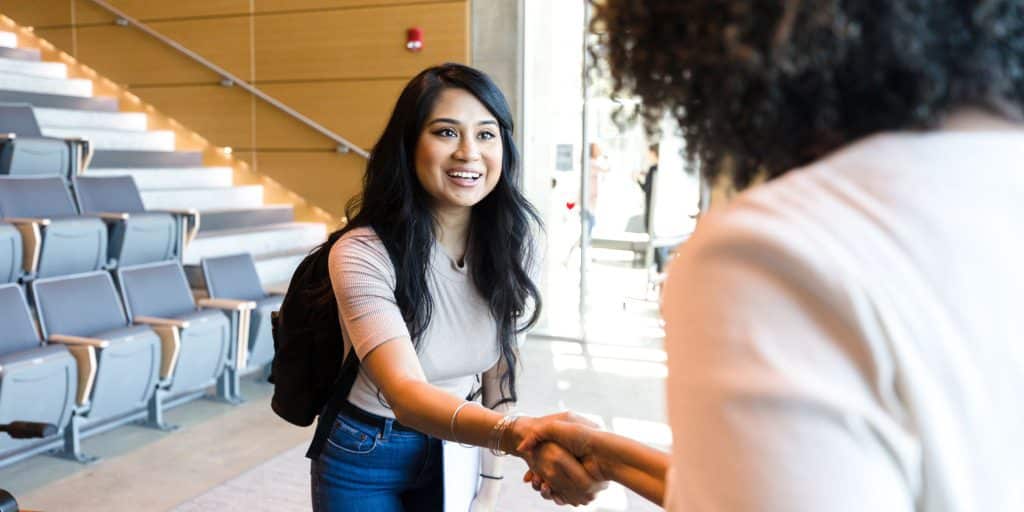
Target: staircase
pixel 234 218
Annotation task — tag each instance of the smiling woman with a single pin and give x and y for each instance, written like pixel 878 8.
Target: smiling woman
pixel 432 278
pixel 459 156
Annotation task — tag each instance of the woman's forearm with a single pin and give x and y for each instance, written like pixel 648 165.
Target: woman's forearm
pixel 426 408
pixel 631 463
pixel 641 482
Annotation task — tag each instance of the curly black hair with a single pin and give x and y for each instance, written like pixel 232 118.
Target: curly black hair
pixel 775 84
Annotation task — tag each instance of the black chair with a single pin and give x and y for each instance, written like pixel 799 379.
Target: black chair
pixel 136 235
pixel 25 151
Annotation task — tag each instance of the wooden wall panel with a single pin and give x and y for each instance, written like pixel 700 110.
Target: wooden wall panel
pixel 59 37
pixel 358 43
pixel 355 110
pixel 38 13
pixel 222 115
pixel 128 56
pixel 325 179
pixel 299 5
pixel 148 10
pixel 58 13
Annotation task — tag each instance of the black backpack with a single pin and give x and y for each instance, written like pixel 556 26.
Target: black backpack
pixel 310 372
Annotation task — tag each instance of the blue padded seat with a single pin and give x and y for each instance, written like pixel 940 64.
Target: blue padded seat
pixel 128 359
pixel 235 277
pixel 67 243
pixel 158 294
pixel 136 236
pixel 37 382
pixel 24 151
pixel 11 252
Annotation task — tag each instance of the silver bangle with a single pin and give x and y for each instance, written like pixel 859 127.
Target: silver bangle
pixel 498 433
pixel 455 416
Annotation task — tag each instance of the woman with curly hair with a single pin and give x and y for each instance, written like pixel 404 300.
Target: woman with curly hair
pixel 843 336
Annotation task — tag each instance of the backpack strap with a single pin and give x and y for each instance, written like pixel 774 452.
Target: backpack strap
pixel 342 386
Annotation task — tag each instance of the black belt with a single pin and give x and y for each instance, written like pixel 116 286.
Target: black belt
pixel 358 414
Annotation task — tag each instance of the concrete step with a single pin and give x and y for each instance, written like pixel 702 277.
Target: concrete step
pixel 77 87
pixel 171 177
pixel 36 99
pixel 8 40
pixel 214 220
pixel 213 198
pixel 20 53
pixel 156 140
pixel 68 118
pixel 33 68
pixel 261 241
pixel 107 159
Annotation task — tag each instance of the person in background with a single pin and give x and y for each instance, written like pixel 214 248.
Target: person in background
pixel 432 277
pixel 598 168
pixel 646 179
pixel 845 336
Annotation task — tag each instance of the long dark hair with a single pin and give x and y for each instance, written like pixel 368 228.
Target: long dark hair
pixel 502 225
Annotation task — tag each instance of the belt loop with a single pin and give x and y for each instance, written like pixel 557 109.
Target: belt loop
pixel 387 428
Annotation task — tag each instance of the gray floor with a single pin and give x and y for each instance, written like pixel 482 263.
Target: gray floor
pixel 245 458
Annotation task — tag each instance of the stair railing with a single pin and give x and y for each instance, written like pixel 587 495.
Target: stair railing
pixel 343 144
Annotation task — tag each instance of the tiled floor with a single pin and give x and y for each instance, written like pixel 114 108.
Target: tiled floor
pixel 616 378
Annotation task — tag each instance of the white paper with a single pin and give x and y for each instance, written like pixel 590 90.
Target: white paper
pixel 461 476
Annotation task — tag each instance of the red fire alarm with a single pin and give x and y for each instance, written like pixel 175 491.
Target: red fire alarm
pixel 414 39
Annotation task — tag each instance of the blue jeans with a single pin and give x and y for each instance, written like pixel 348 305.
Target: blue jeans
pixel 372 466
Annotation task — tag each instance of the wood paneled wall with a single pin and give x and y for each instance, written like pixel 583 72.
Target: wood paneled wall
pixel 339 62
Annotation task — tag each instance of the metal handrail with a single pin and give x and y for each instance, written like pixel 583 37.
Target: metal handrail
pixel 344 145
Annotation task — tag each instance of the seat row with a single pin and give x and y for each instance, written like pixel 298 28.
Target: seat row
pixel 50 226
pixel 122 346
pixel 25 151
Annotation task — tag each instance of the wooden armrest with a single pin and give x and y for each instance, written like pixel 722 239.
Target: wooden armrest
pixel 168 322
pixel 78 340
pixel 228 304
pixel 169 331
pixel 8 136
pixel 28 220
pixel 85 358
pixel 32 241
pixel 112 216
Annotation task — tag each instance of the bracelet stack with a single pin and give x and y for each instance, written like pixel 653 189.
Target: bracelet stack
pixel 498 433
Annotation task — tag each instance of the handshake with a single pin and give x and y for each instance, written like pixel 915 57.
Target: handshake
pixel 571 460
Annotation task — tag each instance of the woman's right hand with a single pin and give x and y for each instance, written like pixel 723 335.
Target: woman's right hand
pixel 572 433
pixel 563 468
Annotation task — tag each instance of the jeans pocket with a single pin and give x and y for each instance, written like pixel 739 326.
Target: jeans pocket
pixel 347 438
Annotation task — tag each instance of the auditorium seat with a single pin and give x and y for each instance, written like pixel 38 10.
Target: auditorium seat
pixel 37 382
pixel 119 363
pixel 195 341
pixel 136 236
pixel 234 278
pixel 11 253
pixel 25 151
pixel 59 240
